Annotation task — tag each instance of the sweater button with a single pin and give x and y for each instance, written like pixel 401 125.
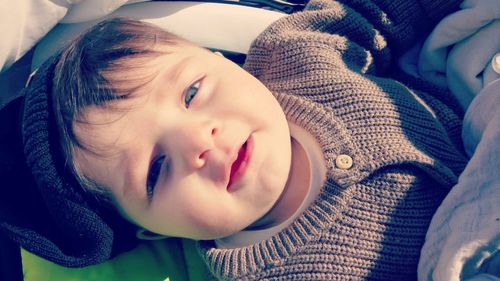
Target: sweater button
pixel 343 162
pixel 495 63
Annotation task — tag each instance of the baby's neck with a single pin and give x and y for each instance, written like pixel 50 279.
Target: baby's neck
pixel 296 188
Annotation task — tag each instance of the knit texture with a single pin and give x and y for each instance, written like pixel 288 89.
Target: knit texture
pixel 326 67
pixel 45 211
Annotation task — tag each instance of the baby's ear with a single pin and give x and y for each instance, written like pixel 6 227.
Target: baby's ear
pixel 144 234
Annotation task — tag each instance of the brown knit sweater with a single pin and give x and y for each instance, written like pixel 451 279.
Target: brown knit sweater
pixel 329 68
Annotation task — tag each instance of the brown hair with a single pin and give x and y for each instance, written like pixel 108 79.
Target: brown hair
pixel 90 72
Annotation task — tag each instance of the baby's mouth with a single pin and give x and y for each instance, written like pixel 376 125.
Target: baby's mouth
pixel 242 155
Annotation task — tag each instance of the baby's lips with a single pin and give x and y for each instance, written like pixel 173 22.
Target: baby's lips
pixel 237 163
pixel 241 163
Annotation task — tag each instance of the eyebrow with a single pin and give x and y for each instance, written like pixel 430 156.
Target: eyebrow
pixel 178 68
pixel 133 170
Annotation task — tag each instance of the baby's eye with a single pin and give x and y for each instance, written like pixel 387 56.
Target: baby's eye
pixel 191 93
pixel 154 174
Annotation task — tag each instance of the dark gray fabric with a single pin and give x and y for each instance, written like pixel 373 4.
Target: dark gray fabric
pixel 43 209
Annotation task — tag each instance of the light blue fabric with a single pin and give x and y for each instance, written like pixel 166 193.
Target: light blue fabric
pixel 458 53
pixel 463 240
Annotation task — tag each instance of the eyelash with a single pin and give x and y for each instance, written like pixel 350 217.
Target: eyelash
pixel 154 174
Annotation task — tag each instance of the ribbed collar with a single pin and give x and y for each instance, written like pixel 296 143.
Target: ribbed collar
pixel 334 140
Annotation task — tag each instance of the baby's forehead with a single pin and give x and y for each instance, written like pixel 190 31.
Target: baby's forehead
pixel 161 58
pixel 132 83
pixel 100 125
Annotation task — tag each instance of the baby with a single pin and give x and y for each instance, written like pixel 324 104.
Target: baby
pixel 187 143
pixel 312 163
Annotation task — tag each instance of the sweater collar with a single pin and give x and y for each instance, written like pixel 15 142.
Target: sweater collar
pixel 334 140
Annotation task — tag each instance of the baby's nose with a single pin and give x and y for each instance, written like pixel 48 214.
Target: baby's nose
pixel 197 161
pixel 198 142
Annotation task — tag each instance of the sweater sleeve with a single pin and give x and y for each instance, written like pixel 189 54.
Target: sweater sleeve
pixel 369 32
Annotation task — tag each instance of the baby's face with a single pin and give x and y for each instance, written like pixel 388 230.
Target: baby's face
pixel 202 154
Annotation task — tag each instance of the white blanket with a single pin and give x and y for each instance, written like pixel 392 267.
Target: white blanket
pixel 24 22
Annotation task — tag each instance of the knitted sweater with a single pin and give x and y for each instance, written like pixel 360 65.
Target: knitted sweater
pixel 328 68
